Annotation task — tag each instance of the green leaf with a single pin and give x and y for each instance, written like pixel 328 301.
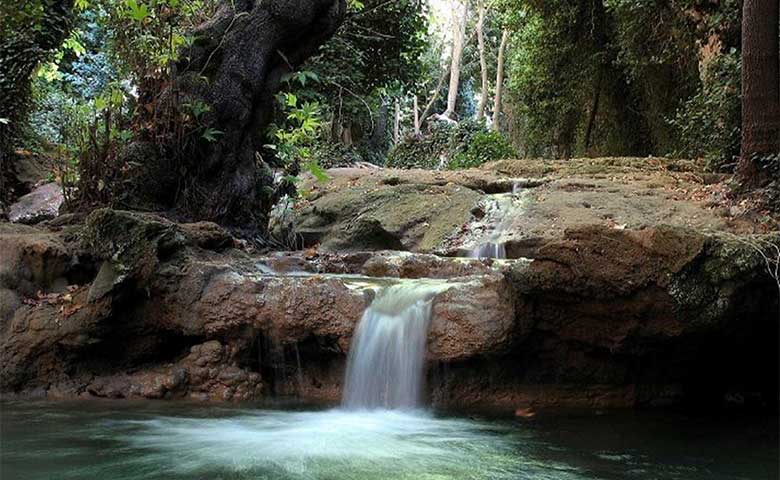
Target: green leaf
pixel 211 134
pixel 291 100
pixel 138 12
pixel 318 172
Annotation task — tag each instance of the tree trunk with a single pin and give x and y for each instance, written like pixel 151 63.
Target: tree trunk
pixel 760 88
pixel 458 39
pixel 499 80
pixel 593 113
pixel 379 135
pixel 397 123
pixel 346 135
pixel 235 66
pixel 428 110
pixel 483 97
pixel 416 118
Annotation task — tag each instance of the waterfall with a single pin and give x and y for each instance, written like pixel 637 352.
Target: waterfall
pixel 499 212
pixel 386 360
pixel 489 250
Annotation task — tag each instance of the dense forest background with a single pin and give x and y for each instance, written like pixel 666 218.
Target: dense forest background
pixel 126 96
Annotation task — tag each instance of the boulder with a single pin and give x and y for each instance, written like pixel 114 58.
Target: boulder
pixel 43 203
pixel 33 260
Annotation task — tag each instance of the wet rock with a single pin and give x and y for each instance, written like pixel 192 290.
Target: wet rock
pixel 411 217
pixel 600 317
pixel 33 260
pixel 207 235
pixel 474 318
pixel 133 242
pixel 108 278
pixel 39 341
pixel 43 203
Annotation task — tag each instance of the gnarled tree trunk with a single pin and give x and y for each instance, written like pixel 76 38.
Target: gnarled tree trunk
pixel 236 66
pixel 760 88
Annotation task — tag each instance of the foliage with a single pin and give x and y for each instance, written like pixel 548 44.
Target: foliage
pixel 146 36
pixel 294 139
pixel 708 123
pixel 466 144
pixel 89 135
pixel 484 147
pixel 29 33
pixel 78 73
pixel 590 77
pixel 372 59
pixel 335 154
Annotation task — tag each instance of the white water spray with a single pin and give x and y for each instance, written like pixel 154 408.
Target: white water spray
pixel 387 357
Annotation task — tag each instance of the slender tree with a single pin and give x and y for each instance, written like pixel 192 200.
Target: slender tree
pixel 416 117
pixel 483 97
pixel 458 39
pixel 499 79
pixel 760 87
pixel 397 123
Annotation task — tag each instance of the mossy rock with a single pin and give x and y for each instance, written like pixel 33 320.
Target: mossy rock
pixel 132 242
pixel 401 217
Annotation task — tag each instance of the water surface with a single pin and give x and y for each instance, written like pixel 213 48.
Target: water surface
pixel 159 440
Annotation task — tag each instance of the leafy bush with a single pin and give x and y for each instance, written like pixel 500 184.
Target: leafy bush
pixel 425 152
pixel 463 145
pixel 293 141
pixel 484 147
pixel 333 154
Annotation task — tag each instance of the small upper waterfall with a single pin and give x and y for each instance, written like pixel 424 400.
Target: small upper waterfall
pixel 386 360
pixel 489 250
pixel 499 210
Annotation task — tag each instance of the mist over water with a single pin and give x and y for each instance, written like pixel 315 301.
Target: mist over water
pixel 175 441
pixel 327 444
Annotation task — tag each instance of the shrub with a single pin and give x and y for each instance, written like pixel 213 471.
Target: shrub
pixel 332 154
pixel 463 145
pixel 484 147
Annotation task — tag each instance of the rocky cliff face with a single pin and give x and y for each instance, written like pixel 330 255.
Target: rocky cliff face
pixel 125 305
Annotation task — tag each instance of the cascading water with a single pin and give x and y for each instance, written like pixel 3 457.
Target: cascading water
pixel 489 250
pixel 387 358
pixel 499 212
